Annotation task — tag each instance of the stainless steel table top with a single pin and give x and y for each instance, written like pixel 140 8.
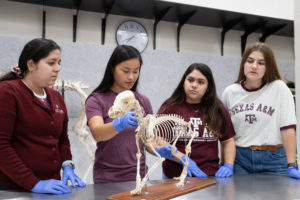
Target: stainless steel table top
pixel 239 187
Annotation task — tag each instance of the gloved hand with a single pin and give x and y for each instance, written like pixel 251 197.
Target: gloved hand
pixel 68 174
pixel 294 173
pixel 165 152
pixel 225 171
pixel 192 168
pixel 51 186
pixel 127 121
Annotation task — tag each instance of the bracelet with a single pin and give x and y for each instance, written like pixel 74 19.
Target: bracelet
pixel 67 162
pixel 294 165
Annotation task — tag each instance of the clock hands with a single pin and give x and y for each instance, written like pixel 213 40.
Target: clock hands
pixel 128 39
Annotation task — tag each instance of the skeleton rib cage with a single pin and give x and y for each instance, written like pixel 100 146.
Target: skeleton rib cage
pixel 167 128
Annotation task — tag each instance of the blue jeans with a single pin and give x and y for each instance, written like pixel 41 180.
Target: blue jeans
pixel 254 161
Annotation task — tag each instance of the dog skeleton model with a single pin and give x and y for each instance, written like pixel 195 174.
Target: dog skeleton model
pixel 152 130
pixel 80 127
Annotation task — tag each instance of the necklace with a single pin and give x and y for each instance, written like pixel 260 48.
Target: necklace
pixel 41 97
pixel 194 107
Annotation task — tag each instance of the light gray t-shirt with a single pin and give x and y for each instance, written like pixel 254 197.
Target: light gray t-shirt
pixel 258 116
pixel 115 159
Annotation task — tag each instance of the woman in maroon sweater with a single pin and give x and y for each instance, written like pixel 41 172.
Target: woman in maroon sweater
pixel 34 143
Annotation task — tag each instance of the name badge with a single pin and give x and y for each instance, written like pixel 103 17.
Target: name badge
pixel 58 110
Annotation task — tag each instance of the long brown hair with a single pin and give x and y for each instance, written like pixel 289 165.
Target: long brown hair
pixel 211 105
pixel 272 72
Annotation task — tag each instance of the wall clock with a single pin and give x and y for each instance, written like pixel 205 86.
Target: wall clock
pixel 132 33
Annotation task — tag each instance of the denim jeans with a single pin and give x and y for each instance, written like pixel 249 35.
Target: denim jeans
pixel 254 161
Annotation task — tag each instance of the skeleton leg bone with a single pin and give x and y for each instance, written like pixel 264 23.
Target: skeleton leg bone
pixel 154 166
pixel 187 153
pixel 173 148
pixel 92 159
pixel 137 190
pixel 185 165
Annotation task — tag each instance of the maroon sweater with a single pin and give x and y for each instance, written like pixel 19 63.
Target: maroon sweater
pixel 33 139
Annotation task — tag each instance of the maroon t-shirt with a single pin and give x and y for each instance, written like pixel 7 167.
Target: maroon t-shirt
pixel 115 159
pixel 204 146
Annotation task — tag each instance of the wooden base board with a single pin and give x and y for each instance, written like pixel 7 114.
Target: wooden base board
pixel 165 190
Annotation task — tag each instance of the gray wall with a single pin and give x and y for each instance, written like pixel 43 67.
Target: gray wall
pixel 24 20
pixel 160 75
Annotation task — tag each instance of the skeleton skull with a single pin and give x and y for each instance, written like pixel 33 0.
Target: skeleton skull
pixel 122 104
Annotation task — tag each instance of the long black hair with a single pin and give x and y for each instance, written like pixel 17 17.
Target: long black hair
pixel 120 54
pixel 35 50
pixel 212 107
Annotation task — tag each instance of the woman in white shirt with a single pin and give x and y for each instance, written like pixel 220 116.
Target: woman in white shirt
pixel 263 114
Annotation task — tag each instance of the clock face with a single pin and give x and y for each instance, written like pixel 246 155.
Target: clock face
pixel 132 33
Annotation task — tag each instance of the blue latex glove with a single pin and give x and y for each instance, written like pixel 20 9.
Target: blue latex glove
pixel 68 174
pixel 165 152
pixel 193 169
pixel 51 186
pixel 294 173
pixel 225 171
pixel 127 121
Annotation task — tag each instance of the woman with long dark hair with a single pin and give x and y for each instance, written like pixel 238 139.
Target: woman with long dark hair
pixel 34 143
pixel 195 99
pixel 115 158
